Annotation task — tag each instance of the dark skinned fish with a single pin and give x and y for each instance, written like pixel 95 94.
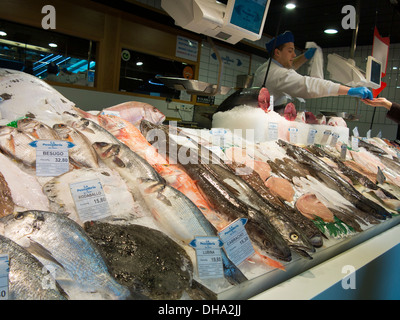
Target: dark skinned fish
pixel 147 260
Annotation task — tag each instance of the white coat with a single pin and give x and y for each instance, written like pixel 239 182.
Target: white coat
pixel 281 81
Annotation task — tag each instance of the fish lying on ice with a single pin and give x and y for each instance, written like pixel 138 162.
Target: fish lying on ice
pixel 37 129
pixel 119 198
pixel 28 278
pixel 82 154
pixel 24 94
pixel 58 241
pixel 15 143
pixel 145 259
pixel 26 191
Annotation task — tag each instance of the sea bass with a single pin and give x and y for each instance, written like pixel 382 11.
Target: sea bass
pixel 182 220
pixel 57 240
pixel 28 279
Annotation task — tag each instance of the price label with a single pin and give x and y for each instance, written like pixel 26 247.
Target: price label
pixel 325 137
pixel 334 139
pixel 354 143
pixel 311 136
pixel 90 200
pixel 4 271
pixel 293 135
pixel 343 151
pixel 51 157
pixel 237 243
pixel 209 259
pixel 272 131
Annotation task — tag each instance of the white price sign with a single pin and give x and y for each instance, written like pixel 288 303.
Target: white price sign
pixel 4 271
pixel 209 259
pixel 237 243
pixel 90 200
pixel 51 157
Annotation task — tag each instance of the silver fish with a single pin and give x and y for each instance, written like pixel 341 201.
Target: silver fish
pixel 28 278
pixel 37 129
pixel 57 240
pixel 82 154
pixel 15 143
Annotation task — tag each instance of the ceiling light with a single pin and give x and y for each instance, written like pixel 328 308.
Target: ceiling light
pixel 290 6
pixel 330 31
pixel 139 63
pixel 53 45
pixel 3 33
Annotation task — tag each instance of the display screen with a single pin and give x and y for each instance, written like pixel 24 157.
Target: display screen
pixel 375 72
pixel 248 14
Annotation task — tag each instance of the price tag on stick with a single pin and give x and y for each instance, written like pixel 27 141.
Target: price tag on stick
pixel 4 271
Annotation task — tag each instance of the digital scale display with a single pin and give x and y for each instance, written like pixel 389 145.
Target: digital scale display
pixel 249 14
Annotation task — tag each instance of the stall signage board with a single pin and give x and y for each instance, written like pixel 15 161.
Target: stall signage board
pixel 186 48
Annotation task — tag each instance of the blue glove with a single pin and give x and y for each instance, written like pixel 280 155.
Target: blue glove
pixel 310 53
pixel 360 92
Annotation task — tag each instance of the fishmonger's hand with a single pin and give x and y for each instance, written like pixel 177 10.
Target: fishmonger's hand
pixel 360 92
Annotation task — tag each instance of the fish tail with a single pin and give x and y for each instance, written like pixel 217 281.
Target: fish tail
pixel 232 273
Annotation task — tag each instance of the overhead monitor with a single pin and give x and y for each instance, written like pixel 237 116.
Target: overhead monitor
pixel 247 16
pixel 373 73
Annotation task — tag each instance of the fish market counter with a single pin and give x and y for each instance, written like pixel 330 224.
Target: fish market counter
pixel 331 266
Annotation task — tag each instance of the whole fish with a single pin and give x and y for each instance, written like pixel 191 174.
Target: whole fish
pixel 261 232
pixel 335 181
pixel 57 240
pixel 15 143
pixel 135 112
pixel 147 260
pixel 28 279
pixel 82 154
pixel 293 236
pixel 182 220
pixel 307 227
pixel 37 129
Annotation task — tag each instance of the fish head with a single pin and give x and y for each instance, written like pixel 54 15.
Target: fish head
pixel 106 150
pixel 21 225
pixel 299 243
pixel 146 126
pixel 154 115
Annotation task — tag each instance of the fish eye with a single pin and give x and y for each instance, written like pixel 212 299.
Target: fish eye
pixel 294 236
pixel 19 216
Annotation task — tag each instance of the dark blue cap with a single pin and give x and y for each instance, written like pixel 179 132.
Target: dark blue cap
pixel 285 37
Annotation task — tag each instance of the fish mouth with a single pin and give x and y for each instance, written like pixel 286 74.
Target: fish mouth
pixel 303 251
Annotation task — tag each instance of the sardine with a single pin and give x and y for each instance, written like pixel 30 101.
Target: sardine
pixel 58 241
pixel 82 154
pixel 28 279
pixel 15 143
pixel 146 260
pixel 335 181
pixel 181 219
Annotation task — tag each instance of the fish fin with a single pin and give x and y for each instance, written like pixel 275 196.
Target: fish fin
pixel 119 162
pixel 37 249
pixel 270 262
